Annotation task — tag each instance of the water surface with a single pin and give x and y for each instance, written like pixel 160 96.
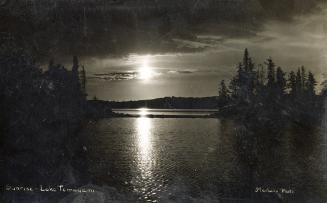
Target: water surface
pixel 186 159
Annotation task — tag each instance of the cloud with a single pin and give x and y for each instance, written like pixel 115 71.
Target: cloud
pixel 181 71
pixel 114 76
pixel 100 28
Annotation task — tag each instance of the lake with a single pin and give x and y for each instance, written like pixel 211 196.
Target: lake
pixel 193 159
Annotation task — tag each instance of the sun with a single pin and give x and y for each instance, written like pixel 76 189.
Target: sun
pixel 145 72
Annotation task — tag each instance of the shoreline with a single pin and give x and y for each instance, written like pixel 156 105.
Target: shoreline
pixel 120 115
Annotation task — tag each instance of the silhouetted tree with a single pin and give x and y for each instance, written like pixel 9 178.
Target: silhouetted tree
pixel 75 65
pixel 270 74
pixel 223 96
pixel 83 80
pixel 310 85
pixel 303 78
pixel 235 84
pixel 246 60
pixel 298 82
pixel 280 82
pixel 243 84
pixel 292 84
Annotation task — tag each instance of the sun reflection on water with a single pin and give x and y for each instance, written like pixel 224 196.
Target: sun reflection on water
pixel 144 140
pixel 145 156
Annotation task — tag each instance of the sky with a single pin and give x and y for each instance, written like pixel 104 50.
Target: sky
pixel 291 44
pixel 145 49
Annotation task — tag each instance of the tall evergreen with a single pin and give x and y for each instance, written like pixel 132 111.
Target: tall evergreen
pixel 243 84
pixel 75 65
pixel 298 82
pixel 261 75
pixel 83 80
pixel 292 84
pixel 246 60
pixel 76 85
pixel 280 82
pixel 311 84
pixel 303 78
pixel 223 97
pixel 270 76
pixel 235 84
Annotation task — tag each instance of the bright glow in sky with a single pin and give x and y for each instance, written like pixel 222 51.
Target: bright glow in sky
pixel 145 71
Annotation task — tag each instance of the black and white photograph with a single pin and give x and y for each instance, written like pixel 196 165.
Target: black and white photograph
pixel 186 101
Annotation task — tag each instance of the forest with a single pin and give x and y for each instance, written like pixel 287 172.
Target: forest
pixel 268 93
pixel 41 113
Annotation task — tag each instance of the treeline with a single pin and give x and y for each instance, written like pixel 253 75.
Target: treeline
pixel 267 90
pixel 169 103
pixel 40 114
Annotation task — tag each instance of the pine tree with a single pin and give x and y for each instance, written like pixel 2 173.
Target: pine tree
pixel 280 82
pixel 243 85
pixel 303 78
pixel 223 97
pixel 261 75
pixel 260 81
pixel 246 60
pixel 292 84
pixel 311 84
pixel 236 82
pixel 83 80
pixel 75 66
pixel 271 73
pixel 298 82
pixel 75 76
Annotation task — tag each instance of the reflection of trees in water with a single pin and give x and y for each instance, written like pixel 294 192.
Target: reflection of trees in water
pixel 261 155
pixel 102 154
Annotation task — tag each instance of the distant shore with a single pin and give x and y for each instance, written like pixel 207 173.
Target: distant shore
pixel 121 115
pixel 105 109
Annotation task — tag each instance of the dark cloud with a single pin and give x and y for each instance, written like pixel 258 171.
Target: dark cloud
pixel 114 76
pixel 60 28
pixel 181 71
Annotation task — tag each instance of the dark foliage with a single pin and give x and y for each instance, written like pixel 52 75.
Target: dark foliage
pixel 40 114
pixel 270 97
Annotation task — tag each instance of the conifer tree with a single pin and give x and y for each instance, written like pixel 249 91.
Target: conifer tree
pixel 311 84
pixel 236 81
pixel 83 80
pixel 298 82
pixel 246 60
pixel 75 65
pixel 292 83
pixel 280 82
pixel 223 97
pixel 271 73
pixel 303 78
